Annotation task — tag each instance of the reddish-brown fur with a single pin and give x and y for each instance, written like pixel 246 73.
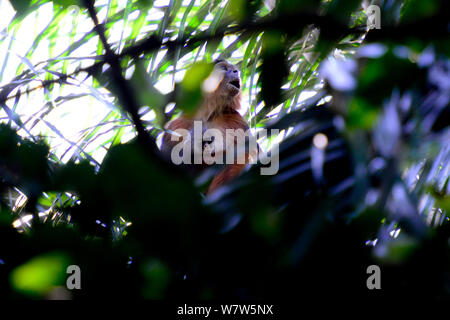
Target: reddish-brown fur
pixel 219 111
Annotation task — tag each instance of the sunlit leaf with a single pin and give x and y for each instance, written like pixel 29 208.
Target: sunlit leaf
pixel 191 94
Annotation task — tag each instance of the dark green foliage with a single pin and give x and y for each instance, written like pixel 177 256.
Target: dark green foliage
pixel 377 192
pixel 23 163
pixel 273 70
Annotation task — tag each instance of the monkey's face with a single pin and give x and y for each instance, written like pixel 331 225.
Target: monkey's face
pixel 230 85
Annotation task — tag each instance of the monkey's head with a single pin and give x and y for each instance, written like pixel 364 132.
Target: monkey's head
pixel 224 93
pixel 230 86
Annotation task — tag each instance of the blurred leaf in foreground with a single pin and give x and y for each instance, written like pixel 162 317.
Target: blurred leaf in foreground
pixel 190 94
pixel 41 274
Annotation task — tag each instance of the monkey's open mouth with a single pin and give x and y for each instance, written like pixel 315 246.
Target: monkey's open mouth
pixel 235 83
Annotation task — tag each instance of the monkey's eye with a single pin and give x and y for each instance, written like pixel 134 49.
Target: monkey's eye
pixel 224 68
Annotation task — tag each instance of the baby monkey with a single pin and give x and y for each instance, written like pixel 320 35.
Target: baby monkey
pixel 217 113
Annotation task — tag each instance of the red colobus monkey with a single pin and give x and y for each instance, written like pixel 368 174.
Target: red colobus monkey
pixel 219 111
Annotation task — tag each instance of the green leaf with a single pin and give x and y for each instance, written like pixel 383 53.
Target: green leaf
pixel 274 70
pixel 191 87
pixel 66 3
pixel 293 6
pixel 341 9
pixel 414 10
pixel 21 6
pixel 156 279
pixel 41 274
pixel 242 10
pixel 378 77
pixel 361 114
